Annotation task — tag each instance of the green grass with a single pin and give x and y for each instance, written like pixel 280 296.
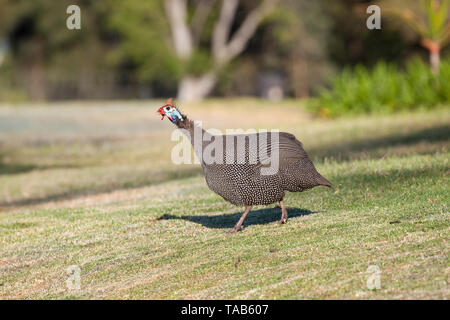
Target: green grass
pixel 94 186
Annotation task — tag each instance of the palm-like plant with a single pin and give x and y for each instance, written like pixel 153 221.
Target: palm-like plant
pixel 430 21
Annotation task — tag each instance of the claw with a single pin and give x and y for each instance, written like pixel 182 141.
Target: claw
pixel 234 230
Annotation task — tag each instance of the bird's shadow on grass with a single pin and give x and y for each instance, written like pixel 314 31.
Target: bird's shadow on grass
pixel 225 221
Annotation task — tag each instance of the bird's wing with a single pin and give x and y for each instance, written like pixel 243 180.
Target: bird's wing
pixel 285 144
pixel 291 148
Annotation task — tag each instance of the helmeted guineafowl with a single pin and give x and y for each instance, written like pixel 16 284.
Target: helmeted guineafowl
pixel 236 171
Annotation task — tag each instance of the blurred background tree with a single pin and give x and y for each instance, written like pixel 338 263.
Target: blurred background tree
pixel 429 19
pixel 195 48
pixel 190 41
pixel 46 60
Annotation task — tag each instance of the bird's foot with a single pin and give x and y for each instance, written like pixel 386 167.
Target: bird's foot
pixel 283 221
pixel 234 230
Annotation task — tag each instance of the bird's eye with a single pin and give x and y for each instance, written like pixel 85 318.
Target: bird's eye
pixel 167 108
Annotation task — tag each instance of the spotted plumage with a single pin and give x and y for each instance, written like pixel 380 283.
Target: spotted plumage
pixel 237 176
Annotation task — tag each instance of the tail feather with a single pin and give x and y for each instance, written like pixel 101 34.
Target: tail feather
pixel 324 182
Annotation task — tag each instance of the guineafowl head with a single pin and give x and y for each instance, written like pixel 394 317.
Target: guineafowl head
pixel 171 112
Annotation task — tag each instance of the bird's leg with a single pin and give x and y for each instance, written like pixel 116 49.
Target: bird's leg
pixel 284 215
pixel 238 226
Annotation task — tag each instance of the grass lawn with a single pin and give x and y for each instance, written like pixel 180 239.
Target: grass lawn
pixel 92 185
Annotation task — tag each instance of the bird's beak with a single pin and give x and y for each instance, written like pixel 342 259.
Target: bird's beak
pixel 161 112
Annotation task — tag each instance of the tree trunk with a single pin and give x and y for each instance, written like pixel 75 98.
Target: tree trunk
pixel 36 81
pixel 193 88
pixel 434 48
pixel 435 61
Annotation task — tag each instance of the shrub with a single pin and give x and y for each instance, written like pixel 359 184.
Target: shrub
pixel 383 89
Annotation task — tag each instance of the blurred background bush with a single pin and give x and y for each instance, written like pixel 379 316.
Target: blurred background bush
pixel 197 48
pixel 385 88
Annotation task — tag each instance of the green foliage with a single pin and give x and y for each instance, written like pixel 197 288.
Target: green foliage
pixel 199 63
pixel 385 88
pixel 437 14
pixel 9 90
pixel 428 18
pixel 144 38
pixel 125 47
